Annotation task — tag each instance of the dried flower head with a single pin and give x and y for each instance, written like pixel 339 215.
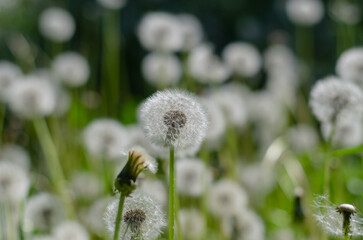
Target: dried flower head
pixel 70 230
pixel 305 12
pixel 335 220
pixel 174 118
pixel 160 31
pixel 9 73
pixel 57 24
pixel 138 160
pixel 161 70
pixel 14 182
pixel 334 100
pixel 242 58
pixel 105 138
pixel 32 97
pixel 350 65
pixel 43 211
pixel 142 218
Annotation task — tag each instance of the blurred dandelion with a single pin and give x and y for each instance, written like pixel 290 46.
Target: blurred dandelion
pixel 70 230
pixel 9 73
pixel 305 12
pixel 349 65
pixel 112 4
pixel 192 224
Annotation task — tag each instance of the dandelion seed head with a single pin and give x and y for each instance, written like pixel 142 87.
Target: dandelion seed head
pixel 174 118
pixel 15 154
pixel 226 198
pixel 192 223
pixel 31 97
pixel 305 12
pixel 160 31
pixel 105 138
pixel 140 215
pixel 70 230
pixel 350 65
pixel 71 68
pixel 155 189
pixel 44 211
pixel 346 134
pixel 161 70
pixel 57 24
pixel 112 4
pixel 332 99
pixel 191 31
pixel 9 73
pixel 14 182
pixel 242 58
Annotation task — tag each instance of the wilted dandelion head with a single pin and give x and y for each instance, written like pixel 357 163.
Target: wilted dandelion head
pixel 226 198
pixel 141 217
pixel 243 58
pixel 174 118
pixel 56 24
pixel 332 99
pixel 192 223
pixel 112 4
pixel 205 66
pixel 330 217
pixel 32 97
pixel 70 230
pixel 105 138
pixel 160 31
pixel 305 12
pixel 350 65
pixel 14 182
pixel 161 70
pixel 43 211
pixel 191 30
pixel 15 154
pixel 71 68
pixel 9 73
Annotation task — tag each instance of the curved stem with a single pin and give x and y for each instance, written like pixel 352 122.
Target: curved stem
pixel 171 195
pixel 118 217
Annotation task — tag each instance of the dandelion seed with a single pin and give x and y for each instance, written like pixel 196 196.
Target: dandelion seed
pixel 331 218
pixel 105 138
pixel 242 58
pixel 14 182
pixel 174 118
pixel 333 100
pixel 70 230
pixel 161 70
pixel 43 211
pixel 72 69
pixel 56 24
pixel 305 12
pixel 142 218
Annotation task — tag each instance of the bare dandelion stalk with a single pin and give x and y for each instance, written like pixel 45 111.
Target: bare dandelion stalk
pixel 171 194
pixel 52 161
pixel 347 210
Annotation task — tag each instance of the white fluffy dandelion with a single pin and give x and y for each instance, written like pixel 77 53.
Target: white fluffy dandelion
pixel 112 4
pixel 332 99
pixel 86 185
pixel 161 70
pixel 155 189
pixel 346 134
pixel 302 138
pixel 345 12
pixel 105 138
pixel 141 218
pixel 57 24
pixel 71 68
pixel 32 97
pixel 226 198
pixel 330 220
pixel 242 58
pixel 305 12
pixel 191 30
pixel 15 154
pixel 350 65
pixel 14 182
pixel 9 73
pixel 70 230
pixel 43 211
pixel 160 31
pixel 191 176
pixel 192 224
pixel 174 118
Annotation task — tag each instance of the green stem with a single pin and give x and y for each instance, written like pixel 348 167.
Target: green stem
pixel 328 159
pixel 119 215
pixel 52 162
pixel 171 195
pixel 2 119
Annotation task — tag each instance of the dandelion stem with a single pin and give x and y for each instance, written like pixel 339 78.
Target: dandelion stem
pixel 328 160
pixel 52 162
pixel 2 118
pixel 171 195
pixel 118 216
